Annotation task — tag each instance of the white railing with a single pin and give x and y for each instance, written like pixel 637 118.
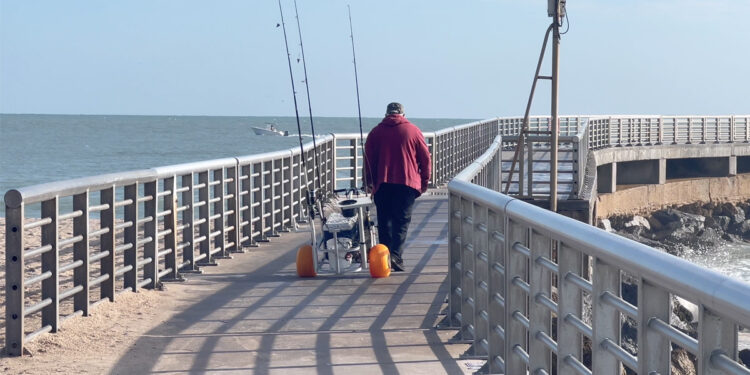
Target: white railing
pixel 515 268
pixel 137 229
pixel 646 130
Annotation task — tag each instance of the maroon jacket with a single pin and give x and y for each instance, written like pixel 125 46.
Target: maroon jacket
pixel 396 153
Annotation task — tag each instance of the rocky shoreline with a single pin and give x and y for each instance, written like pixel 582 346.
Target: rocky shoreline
pixel 692 227
pixel 699 227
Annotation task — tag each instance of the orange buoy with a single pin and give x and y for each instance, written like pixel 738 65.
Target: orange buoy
pixel 305 262
pixel 380 261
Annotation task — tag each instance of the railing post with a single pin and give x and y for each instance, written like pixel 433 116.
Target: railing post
pixel 81 300
pixel 606 318
pixel 14 282
pixel 653 347
pixel 297 187
pixel 50 259
pixel 107 287
pixel 481 281
pixel 259 201
pixel 660 136
pixel 497 291
pixel 515 299
pixel 266 211
pixel 468 300
pixel 718 129
pixel 355 159
pixel 432 146
pixel 328 165
pixel 715 335
pixel 170 224
pixel 150 270
pixel 130 278
pixel 188 220
pixel 220 213
pixel 569 303
pixel 233 232
pixel 540 282
pixel 454 272
pixel 288 197
pixel 274 188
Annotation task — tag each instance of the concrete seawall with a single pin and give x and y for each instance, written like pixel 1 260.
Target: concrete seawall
pixel 639 199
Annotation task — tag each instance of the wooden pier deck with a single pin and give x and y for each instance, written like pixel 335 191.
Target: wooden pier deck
pixel 253 315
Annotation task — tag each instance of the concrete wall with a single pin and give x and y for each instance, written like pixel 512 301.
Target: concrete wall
pixel 647 198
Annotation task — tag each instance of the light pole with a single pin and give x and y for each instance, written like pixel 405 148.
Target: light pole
pixel 555 9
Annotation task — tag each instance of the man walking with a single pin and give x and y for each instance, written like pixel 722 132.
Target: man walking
pixel 397 169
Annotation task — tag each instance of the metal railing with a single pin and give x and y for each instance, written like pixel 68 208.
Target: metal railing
pixel 451 150
pixel 515 269
pixel 152 226
pixel 138 229
pixel 157 223
pixel 646 130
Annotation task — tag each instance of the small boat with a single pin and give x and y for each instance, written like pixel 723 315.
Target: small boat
pixel 269 129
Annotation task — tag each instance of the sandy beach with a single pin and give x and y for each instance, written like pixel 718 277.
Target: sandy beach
pixel 84 344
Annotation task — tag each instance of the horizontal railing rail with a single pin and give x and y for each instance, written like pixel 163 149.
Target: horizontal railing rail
pixel 137 229
pixel 516 268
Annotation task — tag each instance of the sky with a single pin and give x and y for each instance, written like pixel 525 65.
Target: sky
pixel 440 58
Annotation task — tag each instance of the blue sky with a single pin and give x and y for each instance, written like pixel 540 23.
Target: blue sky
pixel 442 59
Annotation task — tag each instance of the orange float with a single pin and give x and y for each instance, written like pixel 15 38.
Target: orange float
pixel 380 261
pixel 305 262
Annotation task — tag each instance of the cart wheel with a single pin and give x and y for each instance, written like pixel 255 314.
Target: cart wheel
pixel 305 262
pixel 380 261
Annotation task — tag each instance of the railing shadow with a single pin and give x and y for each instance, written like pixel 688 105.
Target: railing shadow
pixel 263 317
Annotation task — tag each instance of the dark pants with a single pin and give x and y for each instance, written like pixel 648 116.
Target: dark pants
pixel 394 203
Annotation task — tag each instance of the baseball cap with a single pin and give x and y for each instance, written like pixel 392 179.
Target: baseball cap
pixel 395 108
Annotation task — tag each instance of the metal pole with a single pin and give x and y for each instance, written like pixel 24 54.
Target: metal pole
pixel 555 120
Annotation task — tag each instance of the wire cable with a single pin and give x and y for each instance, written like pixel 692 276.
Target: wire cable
pixel 365 161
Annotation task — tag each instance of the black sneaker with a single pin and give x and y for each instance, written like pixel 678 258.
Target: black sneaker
pixel 397 265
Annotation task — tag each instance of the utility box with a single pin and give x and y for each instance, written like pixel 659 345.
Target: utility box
pixel 552 4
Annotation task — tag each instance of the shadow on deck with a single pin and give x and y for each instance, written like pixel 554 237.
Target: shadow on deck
pixel 254 315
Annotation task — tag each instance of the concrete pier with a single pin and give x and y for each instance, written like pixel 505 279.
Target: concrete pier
pixel 255 315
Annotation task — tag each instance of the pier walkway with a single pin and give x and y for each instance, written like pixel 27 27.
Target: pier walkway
pixel 255 315
pixel 510 269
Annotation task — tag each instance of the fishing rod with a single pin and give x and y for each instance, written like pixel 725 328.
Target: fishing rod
pixel 365 179
pixel 309 106
pixel 294 92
